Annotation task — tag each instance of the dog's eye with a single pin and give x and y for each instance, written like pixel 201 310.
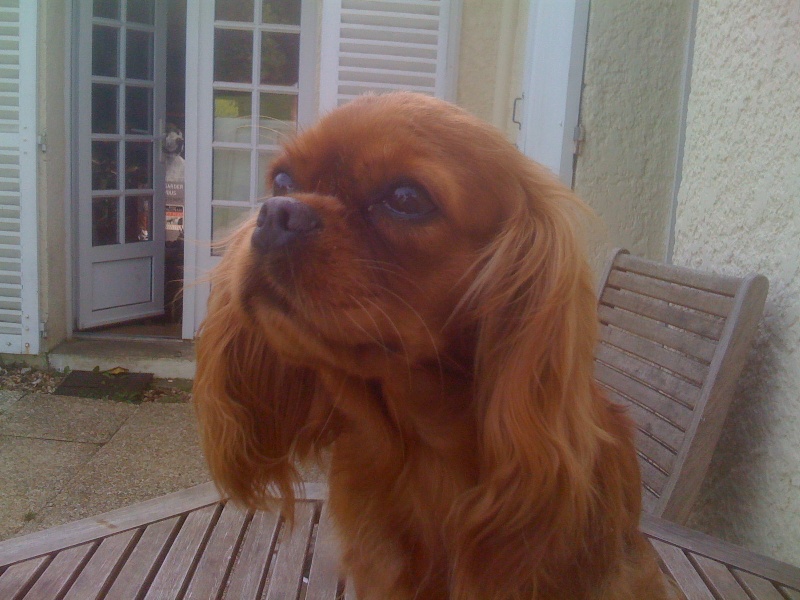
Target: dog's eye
pixel 408 202
pixel 282 184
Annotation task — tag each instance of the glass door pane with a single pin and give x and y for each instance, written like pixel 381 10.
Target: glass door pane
pixel 123 45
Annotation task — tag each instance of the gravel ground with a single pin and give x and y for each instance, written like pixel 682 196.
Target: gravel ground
pixel 23 378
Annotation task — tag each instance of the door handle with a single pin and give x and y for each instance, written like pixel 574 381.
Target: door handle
pixel 514 111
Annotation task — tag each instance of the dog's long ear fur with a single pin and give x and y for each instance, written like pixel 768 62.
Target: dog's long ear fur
pixel 255 411
pixel 541 427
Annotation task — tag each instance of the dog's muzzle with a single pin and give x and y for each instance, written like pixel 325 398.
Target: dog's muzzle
pixel 283 221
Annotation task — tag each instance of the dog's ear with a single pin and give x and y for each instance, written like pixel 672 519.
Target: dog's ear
pixel 538 418
pixel 256 412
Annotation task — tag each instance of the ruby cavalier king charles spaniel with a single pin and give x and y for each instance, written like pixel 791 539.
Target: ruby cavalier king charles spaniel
pixel 412 307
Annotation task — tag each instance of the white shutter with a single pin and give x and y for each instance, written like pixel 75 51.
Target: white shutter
pixel 384 45
pixel 19 293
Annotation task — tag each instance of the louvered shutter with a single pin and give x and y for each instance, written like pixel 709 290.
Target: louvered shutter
pixel 19 304
pixel 384 45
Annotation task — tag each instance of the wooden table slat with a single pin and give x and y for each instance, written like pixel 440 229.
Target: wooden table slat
pixel 182 554
pixel 251 563
pixel 758 587
pixel 210 573
pixel 682 571
pixel 60 573
pixel 323 580
pixel 719 578
pixel 732 555
pixel 92 528
pixel 290 558
pixel 19 576
pixel 149 550
pixel 790 593
pixel 103 565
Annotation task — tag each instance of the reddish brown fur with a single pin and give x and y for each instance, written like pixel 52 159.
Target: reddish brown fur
pixel 446 365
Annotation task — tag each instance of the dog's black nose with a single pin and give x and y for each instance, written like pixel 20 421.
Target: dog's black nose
pixel 281 221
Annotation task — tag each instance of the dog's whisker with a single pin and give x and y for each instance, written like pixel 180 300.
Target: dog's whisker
pixel 394 270
pixel 379 340
pixel 400 339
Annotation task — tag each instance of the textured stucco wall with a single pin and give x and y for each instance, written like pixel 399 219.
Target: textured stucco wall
pixel 739 211
pixel 630 110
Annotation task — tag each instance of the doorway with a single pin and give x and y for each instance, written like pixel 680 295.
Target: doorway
pixel 130 118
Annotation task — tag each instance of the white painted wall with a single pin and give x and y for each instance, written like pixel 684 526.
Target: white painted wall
pixel 739 211
pixel 630 111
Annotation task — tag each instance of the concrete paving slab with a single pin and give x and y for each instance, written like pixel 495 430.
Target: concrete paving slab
pixel 7 398
pixel 65 418
pixel 32 473
pixel 156 452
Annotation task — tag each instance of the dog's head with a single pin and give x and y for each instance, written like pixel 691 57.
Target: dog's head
pixel 383 217
pixel 405 240
pixel 404 233
pixel 173 142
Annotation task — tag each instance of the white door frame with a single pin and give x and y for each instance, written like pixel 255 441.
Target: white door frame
pixel 553 77
pixel 198 112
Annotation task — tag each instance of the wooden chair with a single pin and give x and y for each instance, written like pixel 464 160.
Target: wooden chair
pixel 673 342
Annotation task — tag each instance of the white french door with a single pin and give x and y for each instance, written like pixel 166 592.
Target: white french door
pixel 119 171
pixel 251 70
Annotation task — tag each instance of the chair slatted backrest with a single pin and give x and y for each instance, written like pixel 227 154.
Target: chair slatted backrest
pixel 672 345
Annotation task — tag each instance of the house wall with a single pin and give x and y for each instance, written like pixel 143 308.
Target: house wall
pixel 739 211
pixel 53 171
pixel 631 115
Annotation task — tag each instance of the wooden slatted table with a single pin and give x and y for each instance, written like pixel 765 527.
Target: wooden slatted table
pixel 192 544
